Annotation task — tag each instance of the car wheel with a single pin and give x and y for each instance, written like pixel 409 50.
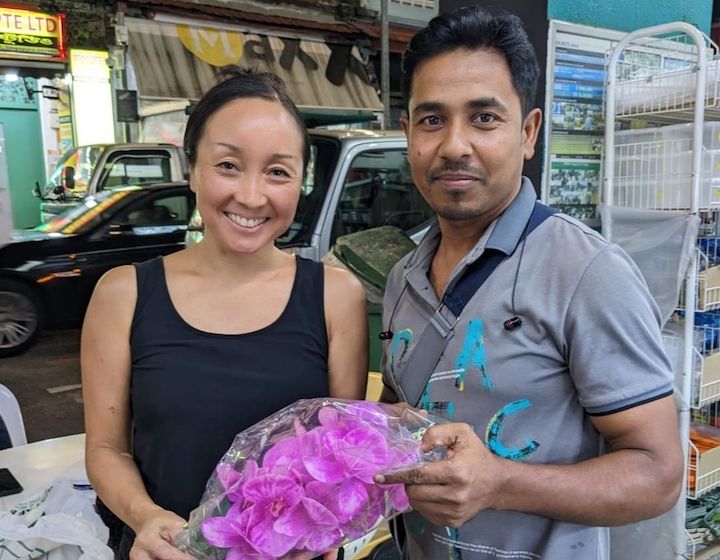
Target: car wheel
pixel 20 318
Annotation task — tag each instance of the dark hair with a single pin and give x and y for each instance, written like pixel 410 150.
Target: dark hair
pixel 239 84
pixel 476 28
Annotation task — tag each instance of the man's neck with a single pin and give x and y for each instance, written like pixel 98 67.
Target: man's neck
pixel 455 243
pixel 457 239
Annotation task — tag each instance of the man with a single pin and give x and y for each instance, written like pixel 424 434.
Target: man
pixel 556 354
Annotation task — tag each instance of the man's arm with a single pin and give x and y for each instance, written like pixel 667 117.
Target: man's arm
pixel 640 477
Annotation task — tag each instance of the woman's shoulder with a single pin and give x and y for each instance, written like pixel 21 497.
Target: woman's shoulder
pixel 118 279
pixel 115 292
pixel 341 277
pixel 342 285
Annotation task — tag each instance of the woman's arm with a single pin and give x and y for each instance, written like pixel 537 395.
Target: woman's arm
pixel 346 322
pixel 105 364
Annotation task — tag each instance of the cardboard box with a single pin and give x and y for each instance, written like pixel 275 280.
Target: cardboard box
pixel 710 382
pixel 708 471
pixel 709 288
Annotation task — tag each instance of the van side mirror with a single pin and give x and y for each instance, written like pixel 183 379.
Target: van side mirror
pixel 36 190
pixel 68 177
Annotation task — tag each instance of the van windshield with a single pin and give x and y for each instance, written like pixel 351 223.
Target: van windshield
pixel 83 161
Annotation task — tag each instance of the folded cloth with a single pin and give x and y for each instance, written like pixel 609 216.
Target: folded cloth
pixel 59 523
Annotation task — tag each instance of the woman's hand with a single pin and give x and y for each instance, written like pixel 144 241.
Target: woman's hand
pixel 154 536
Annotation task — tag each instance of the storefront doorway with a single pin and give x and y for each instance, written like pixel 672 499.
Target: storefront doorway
pixel 20 123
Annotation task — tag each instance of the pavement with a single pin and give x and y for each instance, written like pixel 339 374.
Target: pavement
pixel 46 383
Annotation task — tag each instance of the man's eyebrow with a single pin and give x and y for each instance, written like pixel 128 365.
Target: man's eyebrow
pixel 429 107
pixel 474 104
pixel 486 103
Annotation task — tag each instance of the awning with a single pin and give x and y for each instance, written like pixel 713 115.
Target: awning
pixel 179 61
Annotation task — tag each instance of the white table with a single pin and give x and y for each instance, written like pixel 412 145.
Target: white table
pixel 37 464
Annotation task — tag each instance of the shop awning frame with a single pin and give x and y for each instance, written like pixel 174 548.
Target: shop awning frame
pixel 321 78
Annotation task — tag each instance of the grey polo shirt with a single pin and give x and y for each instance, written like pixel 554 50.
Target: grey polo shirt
pixel 589 344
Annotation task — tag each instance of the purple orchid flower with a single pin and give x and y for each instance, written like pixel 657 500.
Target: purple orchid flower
pixel 347 501
pixel 352 413
pixel 314 525
pixel 361 452
pixel 315 487
pixel 285 458
pixel 230 532
pixel 231 481
pixel 274 498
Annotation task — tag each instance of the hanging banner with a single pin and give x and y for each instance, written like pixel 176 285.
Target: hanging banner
pixel 29 34
pixel 181 61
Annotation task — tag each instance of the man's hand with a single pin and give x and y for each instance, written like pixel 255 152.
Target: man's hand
pixel 452 491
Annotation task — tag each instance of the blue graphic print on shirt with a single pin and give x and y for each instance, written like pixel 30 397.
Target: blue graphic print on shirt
pixel 494 432
pixel 473 354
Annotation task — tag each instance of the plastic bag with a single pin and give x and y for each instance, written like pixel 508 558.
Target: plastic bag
pixel 300 483
pixel 59 523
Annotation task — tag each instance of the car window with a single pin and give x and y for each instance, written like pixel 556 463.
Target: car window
pixel 323 159
pixel 87 214
pixel 135 169
pixel 378 191
pixel 166 212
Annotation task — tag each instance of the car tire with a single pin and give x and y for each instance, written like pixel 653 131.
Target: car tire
pixel 20 318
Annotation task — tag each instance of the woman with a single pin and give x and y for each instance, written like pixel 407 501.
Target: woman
pixel 181 353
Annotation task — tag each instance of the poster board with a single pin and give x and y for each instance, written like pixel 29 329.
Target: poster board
pixel 574 123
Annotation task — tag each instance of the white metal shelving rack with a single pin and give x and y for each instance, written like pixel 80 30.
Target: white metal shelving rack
pixel 659 76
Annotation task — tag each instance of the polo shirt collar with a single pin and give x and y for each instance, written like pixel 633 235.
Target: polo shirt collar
pixel 508 228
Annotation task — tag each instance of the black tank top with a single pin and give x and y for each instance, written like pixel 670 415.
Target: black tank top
pixel 193 391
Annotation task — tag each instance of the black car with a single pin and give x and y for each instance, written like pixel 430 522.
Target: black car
pixel 48 273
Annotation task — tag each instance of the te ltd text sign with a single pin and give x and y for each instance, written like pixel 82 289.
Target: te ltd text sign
pixel 30 34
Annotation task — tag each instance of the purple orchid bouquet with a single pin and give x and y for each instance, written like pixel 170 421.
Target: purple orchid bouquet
pixel 300 483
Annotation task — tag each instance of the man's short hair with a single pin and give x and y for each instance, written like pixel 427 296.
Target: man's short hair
pixel 476 28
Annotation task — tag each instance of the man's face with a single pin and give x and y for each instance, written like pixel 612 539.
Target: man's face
pixel 467 140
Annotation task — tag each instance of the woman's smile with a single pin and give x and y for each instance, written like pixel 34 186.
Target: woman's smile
pixel 248 223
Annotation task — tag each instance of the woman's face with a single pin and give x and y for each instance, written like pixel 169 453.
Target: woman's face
pixel 248 173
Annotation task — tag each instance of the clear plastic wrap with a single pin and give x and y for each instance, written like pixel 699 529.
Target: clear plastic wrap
pixel 300 483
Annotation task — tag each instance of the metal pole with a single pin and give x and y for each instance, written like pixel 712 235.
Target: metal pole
pixel 385 63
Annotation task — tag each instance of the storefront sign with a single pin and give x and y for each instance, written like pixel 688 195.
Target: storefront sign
pixel 92 97
pixel 172 60
pixel 28 34
pixel 219 47
pixel 50 92
pixel 126 105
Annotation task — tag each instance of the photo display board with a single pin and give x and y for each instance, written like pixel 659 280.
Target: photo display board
pixel 574 123
pixel 574 115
